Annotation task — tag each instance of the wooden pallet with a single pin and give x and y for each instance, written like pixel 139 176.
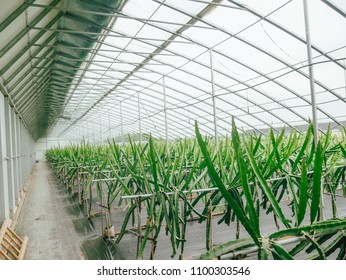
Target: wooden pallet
pixel 12 247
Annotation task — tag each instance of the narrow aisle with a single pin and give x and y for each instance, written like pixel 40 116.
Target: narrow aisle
pixel 45 219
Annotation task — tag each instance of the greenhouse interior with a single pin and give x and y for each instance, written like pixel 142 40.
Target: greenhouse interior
pixel 172 130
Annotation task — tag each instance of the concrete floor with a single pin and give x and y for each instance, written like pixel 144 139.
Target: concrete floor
pixel 44 218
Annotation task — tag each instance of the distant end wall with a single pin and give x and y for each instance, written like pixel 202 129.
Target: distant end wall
pixel 47 143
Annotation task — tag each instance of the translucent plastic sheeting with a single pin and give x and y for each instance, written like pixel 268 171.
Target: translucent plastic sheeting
pixel 44 47
pixel 163 61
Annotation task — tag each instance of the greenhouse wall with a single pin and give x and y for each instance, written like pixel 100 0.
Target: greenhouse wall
pixel 17 156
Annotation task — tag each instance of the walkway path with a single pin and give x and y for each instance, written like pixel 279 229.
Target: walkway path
pixel 45 219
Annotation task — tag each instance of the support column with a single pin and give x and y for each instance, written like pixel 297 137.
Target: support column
pixel 83 133
pixel 311 72
pixel 101 140
pixel 139 118
pixel 121 123
pixel 213 99
pixel 23 148
pixel 15 155
pixel 10 165
pixel 313 95
pixel 109 124
pixel 4 191
pixel 93 132
pixel 165 112
pixel 27 152
pixel 19 154
pixel 87 131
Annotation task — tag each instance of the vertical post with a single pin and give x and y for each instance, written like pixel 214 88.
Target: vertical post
pixel 87 130
pixel 210 217
pixel 183 227
pixel 4 191
pixel 15 156
pixel 101 210
pixel 22 154
pixel 312 91
pixel 10 167
pixel 25 151
pixel 19 156
pixel 100 130
pixel 109 124
pixel 139 225
pixel 83 132
pixel 165 112
pixel 311 72
pixel 93 131
pixel 121 122
pixel 79 184
pixel 213 98
pixel 139 118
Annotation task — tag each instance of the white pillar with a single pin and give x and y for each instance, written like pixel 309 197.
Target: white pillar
pixel 313 95
pixel 4 191
pixel 109 124
pixel 121 123
pixel 19 153
pixel 15 155
pixel 93 132
pixel 83 136
pixel 101 140
pixel 311 72
pixel 139 118
pixel 10 165
pixel 165 111
pixel 213 99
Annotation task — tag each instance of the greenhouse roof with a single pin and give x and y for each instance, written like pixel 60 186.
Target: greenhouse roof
pixel 110 68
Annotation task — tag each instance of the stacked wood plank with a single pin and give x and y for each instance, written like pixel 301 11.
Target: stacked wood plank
pixel 12 247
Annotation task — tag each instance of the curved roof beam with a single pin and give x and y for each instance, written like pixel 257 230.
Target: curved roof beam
pixel 158 50
pixel 229 76
pixel 295 69
pixel 240 82
pixel 220 86
pixel 232 35
pixel 334 7
pixel 184 93
pixel 147 117
pixel 159 108
pixel 289 32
